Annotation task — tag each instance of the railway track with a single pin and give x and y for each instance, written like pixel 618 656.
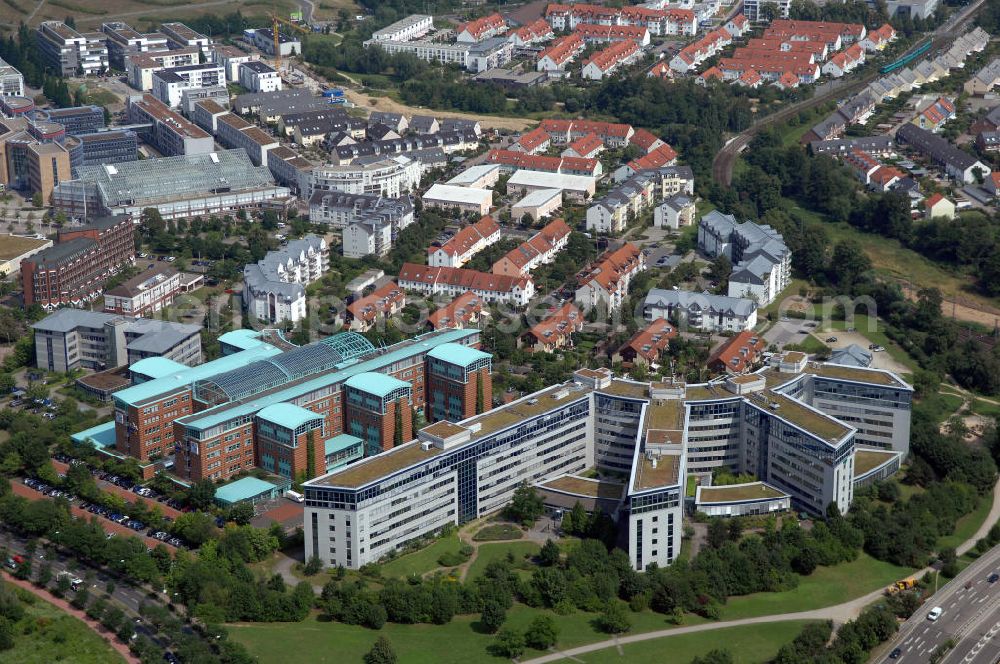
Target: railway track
pixel 725 159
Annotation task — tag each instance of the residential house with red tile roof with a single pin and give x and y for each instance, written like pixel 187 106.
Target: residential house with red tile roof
pixel 937 205
pixel 462 312
pixel 606 282
pixel 602 34
pixel 709 75
pixel 877 40
pixel 480 29
pixel 738 354
pixel 466 243
pixel 788 81
pixel 660 70
pixel 883 179
pixel 585 147
pixel 750 79
pixel 661 156
pixel 862 164
pixel 561 53
pixel 534 33
pixel 386 301
pixel 540 249
pixel 532 142
pixel 691 56
pixel 738 25
pixel 555 331
pixel 646 141
pixel 934 115
pixel 453 281
pixel 646 346
pixel 608 61
pixel 511 161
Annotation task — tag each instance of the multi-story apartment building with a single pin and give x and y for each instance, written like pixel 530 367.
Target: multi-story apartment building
pixel 169 84
pixel 11 81
pixel 606 283
pixel 700 311
pixel 453 281
pixel 653 433
pixel 414 26
pixel 257 76
pixel 390 177
pixel 140 67
pixel 169 132
pixel 72 339
pixel 762 263
pixel 123 41
pixel 181 36
pixel 274 287
pixel 235 132
pixel 68 52
pixel 75 269
pixel 105 147
pixel 144 294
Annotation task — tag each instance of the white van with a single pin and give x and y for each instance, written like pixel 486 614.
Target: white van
pixel 296 496
pixel 935 613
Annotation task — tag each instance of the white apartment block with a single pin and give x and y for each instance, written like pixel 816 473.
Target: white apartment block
pixel 144 294
pixel 372 237
pixel 69 52
pixel 274 287
pixel 390 177
pixel 140 67
pixel 762 263
pixel 169 84
pixel 257 76
pixel 412 27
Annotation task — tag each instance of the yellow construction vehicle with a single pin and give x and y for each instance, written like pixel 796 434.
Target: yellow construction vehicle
pixel 276 34
pixel 899 586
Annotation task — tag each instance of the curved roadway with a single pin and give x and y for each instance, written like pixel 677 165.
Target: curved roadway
pixel 722 166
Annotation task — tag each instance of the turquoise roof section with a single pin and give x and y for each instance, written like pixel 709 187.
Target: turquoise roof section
pixel 156 367
pixel 404 350
pixel 103 435
pixel 242 339
pixel 341 442
pixel 373 382
pixel 457 354
pixel 243 489
pixel 288 415
pixel 137 393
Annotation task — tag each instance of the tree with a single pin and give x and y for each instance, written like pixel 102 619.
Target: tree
pixel 36 199
pixel 526 506
pixel 542 633
pixel 614 619
pixel 549 555
pixel 508 643
pixel 241 513
pixel 202 494
pixel 493 616
pixel 717 533
pixel 6 634
pixel 381 652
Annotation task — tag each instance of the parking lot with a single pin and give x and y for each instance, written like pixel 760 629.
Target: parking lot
pixel 789 331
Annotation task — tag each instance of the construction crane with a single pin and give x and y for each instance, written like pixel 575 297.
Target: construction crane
pixel 276 34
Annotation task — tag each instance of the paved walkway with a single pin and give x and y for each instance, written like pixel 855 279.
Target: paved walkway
pixel 839 613
pixel 63 605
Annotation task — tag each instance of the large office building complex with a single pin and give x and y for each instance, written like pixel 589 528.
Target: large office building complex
pixel 209 416
pixel 183 186
pixel 72 339
pixel 796 425
pixel 74 270
pixel 68 52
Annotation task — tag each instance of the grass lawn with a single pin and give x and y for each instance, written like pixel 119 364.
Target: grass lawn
pixel 810 345
pixel 490 552
pixel 985 408
pixel 826 586
pixel 967 525
pixel 423 561
pixel 748 645
pixel 941 406
pixel 46 635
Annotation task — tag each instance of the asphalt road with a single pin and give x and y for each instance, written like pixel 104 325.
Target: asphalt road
pixel 970 618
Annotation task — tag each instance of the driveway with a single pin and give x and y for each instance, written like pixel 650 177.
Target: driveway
pixel 788 332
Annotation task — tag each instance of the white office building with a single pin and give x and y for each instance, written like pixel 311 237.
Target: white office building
pixel 169 84
pixel 257 76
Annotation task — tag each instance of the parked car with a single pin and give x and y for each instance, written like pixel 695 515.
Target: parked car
pixel 831 340
pixel 935 613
